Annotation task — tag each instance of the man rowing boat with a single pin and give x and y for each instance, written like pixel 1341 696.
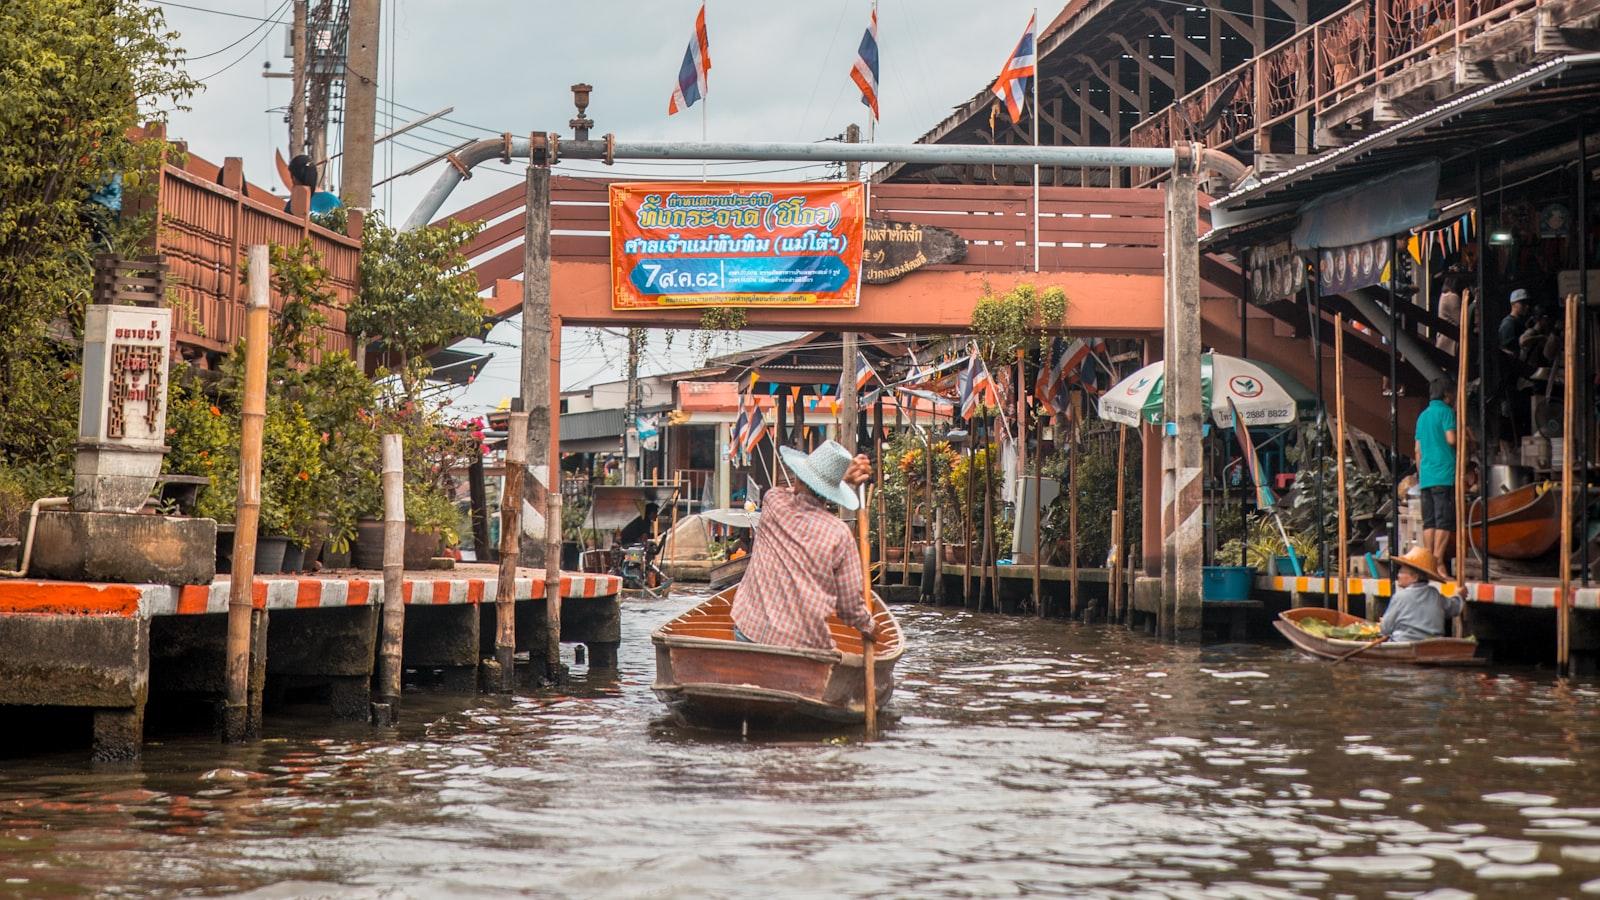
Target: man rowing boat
pixel 804 566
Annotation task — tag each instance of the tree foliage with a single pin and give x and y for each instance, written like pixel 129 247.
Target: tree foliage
pixel 76 76
pixel 417 292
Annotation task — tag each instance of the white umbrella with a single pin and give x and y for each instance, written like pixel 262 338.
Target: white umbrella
pixel 1259 397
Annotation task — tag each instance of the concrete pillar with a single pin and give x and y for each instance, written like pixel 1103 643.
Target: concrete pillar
pixel 1184 408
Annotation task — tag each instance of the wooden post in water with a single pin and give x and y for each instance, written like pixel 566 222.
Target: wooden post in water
pixel 552 532
pixel 966 522
pixel 1569 440
pixel 242 618
pixel 386 708
pixel 991 571
pixel 870 700
pixel 883 506
pixel 1038 512
pixel 1119 528
pixel 1072 505
pixel 1338 456
pixel 505 587
pixel 1459 571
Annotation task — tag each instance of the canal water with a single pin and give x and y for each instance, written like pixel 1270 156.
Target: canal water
pixel 1025 758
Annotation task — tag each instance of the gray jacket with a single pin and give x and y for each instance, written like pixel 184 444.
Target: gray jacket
pixel 1419 612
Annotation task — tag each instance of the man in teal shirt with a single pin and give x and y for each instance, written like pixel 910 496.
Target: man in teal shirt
pixel 1436 469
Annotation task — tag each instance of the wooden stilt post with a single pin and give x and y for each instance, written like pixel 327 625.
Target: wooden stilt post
pixel 1076 432
pixel 991 572
pixel 1038 513
pixel 883 505
pixel 967 537
pixel 1569 442
pixel 1338 456
pixel 242 616
pixel 1463 339
pixel 552 533
pixel 505 587
pixel 386 706
pixel 930 512
pixel 1119 528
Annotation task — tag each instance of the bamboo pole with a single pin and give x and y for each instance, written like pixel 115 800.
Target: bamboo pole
pixel 967 537
pixel 1038 512
pixel 868 664
pixel 991 571
pixel 1119 527
pixel 1568 409
pixel 1460 536
pixel 236 725
pixel 1072 507
pixel 505 587
pixel 1344 521
pixel 386 709
pixel 883 505
pixel 930 508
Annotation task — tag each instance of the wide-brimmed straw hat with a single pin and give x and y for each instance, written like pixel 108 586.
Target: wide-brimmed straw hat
pixel 1422 561
pixel 823 471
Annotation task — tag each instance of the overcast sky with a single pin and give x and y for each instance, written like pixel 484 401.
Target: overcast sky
pixel 780 72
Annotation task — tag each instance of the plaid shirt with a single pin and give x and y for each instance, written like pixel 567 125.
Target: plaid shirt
pixel 804 568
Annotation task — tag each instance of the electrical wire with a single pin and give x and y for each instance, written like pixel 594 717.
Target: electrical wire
pixel 218 12
pixel 247 35
pixel 827 65
pixel 242 57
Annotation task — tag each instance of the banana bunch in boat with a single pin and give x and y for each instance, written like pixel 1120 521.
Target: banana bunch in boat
pixel 1360 631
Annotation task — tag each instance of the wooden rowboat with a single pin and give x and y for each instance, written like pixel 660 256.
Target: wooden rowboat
pixel 709 678
pixel 1431 652
pixel 729 573
pixel 1523 524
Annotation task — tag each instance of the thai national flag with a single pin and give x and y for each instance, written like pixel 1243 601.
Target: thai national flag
pixel 863 370
pixel 736 440
pixel 865 72
pixel 692 75
pixel 970 389
pixel 755 430
pixel 1016 76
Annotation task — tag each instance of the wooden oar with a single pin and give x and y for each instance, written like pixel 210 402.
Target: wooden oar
pixel 1361 649
pixel 871 701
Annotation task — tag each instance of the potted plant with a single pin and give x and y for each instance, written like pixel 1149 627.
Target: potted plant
pixel 291 469
pixel 203 439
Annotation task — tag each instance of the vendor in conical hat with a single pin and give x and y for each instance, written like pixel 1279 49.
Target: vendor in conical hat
pixel 1418 611
pixel 805 566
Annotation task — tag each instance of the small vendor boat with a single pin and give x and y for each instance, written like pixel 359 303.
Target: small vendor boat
pixel 708 678
pixel 729 572
pixel 1524 523
pixel 1431 652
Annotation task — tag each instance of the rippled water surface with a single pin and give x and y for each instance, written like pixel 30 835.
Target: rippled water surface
pixel 1025 758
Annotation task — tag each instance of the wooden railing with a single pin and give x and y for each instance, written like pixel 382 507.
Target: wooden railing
pixel 1318 67
pixel 203 226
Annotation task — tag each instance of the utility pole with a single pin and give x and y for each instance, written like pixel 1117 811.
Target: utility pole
pixel 297 104
pixel 1182 456
pixel 632 473
pixel 849 399
pixel 541 511
pixel 361 106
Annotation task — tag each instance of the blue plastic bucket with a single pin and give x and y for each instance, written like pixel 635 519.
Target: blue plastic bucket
pixel 1227 583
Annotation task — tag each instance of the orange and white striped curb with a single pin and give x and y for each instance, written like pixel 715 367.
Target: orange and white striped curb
pixel 1529 595
pixel 277 593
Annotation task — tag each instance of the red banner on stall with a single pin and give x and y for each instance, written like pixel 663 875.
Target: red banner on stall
pixel 689 245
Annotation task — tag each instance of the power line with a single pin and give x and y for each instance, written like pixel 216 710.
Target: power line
pixel 266 33
pixel 241 40
pixel 218 12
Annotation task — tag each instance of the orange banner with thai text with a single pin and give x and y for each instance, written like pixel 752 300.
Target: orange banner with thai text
pixel 688 245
